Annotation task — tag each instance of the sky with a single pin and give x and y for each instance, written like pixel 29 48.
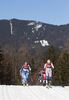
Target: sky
pixel 54 12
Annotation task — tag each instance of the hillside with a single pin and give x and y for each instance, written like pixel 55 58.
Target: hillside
pixel 17 32
pixel 31 41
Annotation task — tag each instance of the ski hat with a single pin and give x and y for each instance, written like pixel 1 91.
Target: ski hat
pixel 48 61
pixel 25 62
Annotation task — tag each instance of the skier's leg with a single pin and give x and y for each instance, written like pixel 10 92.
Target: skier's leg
pixel 47 81
pixel 50 74
pixel 40 81
pixel 43 82
pixel 46 77
pixel 22 78
pixel 23 81
pixel 27 78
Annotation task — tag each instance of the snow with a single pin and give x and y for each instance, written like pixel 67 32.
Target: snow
pixel 28 38
pixel 13 92
pixel 44 27
pixel 11 27
pixel 43 42
pixel 36 42
pixel 36 37
pixel 31 23
pixel 38 26
pixel 32 31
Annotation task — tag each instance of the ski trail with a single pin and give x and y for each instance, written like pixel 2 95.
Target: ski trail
pixel 28 93
pixel 17 92
pixel 51 94
pixel 33 93
pixel 54 95
pixel 1 93
pixel 6 95
pixel 62 92
pixel 20 93
pixel 41 94
pixel 36 93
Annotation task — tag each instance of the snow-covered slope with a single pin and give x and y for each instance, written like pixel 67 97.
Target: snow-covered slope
pixel 33 93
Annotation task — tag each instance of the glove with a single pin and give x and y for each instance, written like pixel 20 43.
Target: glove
pixel 20 74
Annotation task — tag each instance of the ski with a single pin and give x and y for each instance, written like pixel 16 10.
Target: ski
pixel 47 87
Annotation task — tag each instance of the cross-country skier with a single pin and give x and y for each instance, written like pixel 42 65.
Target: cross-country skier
pixel 24 72
pixel 42 76
pixel 48 66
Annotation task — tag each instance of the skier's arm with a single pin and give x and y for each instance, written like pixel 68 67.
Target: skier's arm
pixel 29 67
pixel 21 69
pixel 38 74
pixel 52 66
pixel 53 69
pixel 44 66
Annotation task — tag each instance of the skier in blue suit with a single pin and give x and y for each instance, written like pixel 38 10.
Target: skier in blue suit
pixel 24 72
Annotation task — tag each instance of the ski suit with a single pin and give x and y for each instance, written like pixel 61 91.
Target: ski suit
pixel 48 68
pixel 42 76
pixel 25 72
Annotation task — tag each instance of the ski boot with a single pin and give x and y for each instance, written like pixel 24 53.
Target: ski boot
pixel 27 85
pixel 46 86
pixel 23 85
pixel 50 84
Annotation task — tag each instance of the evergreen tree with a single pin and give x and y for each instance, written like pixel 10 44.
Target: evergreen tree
pixel 62 69
pixel 57 71
pixel 50 54
pixel 1 67
pixel 65 69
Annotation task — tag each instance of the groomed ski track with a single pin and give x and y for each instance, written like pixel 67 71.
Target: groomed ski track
pixel 14 92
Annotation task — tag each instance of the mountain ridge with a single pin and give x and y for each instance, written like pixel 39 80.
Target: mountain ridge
pixel 17 32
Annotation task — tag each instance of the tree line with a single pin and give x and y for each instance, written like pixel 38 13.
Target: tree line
pixel 11 61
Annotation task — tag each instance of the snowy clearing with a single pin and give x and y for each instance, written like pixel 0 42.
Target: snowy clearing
pixel 13 92
pixel 43 42
pixel 38 26
pixel 31 23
